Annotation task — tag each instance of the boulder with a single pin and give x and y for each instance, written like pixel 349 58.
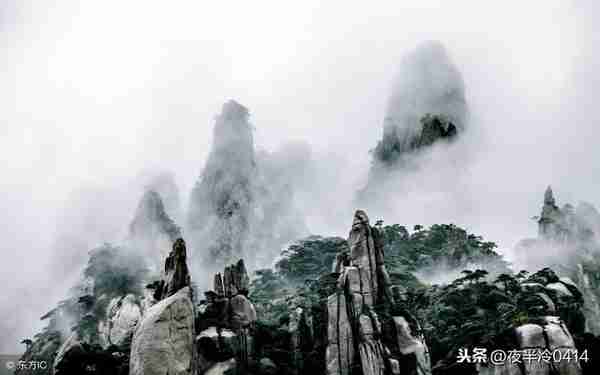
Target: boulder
pixel 242 311
pixel 222 368
pixel 215 345
pixel 549 336
pixel 267 367
pixel 163 342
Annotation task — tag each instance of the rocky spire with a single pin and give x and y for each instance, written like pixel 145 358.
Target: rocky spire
pixel 355 330
pixel 176 275
pixel 549 197
pixel 225 322
pixel 220 204
pixel 551 221
pixel 234 280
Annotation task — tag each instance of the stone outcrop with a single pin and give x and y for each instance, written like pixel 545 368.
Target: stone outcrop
pixel 122 316
pixel 225 322
pixel 552 223
pixel 547 297
pixel 176 275
pixel 574 233
pixel 355 333
pixel 242 206
pixel 163 342
pixel 233 281
pixel 549 336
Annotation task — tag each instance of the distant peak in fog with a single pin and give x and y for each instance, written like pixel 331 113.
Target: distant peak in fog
pixel 427 103
pixel 426 111
pixel 243 204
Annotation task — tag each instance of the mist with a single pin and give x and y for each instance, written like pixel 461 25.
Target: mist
pixel 95 95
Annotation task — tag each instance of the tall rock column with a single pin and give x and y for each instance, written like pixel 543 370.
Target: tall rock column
pixel 163 342
pixel 221 202
pixel 176 275
pixel 225 323
pixel 354 325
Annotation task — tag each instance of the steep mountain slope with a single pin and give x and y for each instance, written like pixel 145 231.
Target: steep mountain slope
pixel 242 206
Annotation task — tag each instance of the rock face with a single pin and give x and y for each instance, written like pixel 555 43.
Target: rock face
pixel 234 280
pixel 550 336
pixel 176 275
pixel 548 294
pixel 122 316
pixel 242 207
pixel 221 202
pixel 164 340
pixel 225 322
pixel 355 335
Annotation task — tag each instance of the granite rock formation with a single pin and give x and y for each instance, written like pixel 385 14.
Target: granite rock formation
pixel 164 340
pixel 225 323
pixel 549 299
pixel 221 202
pixel 574 233
pixel 176 275
pixel 357 310
pixel 549 336
pixel 242 207
pixel 122 316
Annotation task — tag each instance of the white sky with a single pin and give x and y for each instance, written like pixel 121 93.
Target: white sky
pixel 93 92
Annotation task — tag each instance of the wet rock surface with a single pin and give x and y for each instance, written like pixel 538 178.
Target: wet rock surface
pixel 355 335
pixel 164 340
pixel 176 275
